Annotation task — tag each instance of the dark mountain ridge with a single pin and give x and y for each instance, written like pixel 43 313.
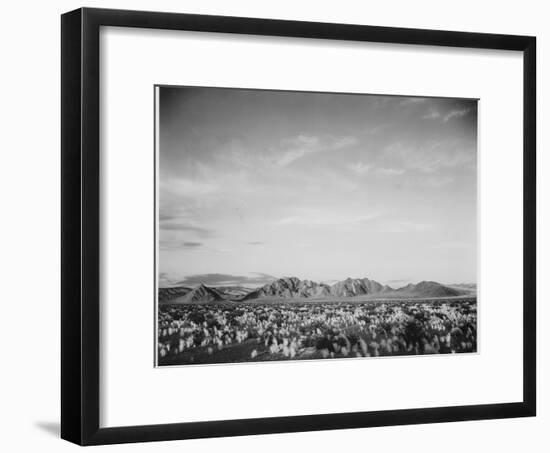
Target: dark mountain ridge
pixel 355 287
pixel 167 294
pixel 202 293
pixel 429 289
pixel 290 287
pixel 294 288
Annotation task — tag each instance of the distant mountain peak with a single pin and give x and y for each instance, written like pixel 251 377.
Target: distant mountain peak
pixel 427 288
pixel 292 287
pixel 202 293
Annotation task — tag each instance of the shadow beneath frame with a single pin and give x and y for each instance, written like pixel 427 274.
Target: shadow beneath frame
pixel 51 428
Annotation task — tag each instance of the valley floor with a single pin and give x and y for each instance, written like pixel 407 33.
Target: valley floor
pixel 264 330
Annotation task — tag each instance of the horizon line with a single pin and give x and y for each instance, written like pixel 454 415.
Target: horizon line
pixel 321 282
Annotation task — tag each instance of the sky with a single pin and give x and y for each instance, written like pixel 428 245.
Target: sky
pixel 256 185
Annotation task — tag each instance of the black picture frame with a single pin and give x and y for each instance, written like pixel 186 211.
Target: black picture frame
pixel 80 225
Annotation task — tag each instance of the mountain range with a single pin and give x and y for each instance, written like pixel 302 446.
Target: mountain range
pixel 294 288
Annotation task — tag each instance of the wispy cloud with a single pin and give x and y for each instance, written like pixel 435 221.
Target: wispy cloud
pixel 412 101
pixel 163 217
pixel 254 279
pixel 432 114
pixel 432 156
pixel 165 280
pixel 435 114
pixel 186 227
pixel 178 245
pixel 398 282
pixel 255 243
pixel 360 168
pixel 298 147
pixel 456 113
pixel 390 171
pixel 320 219
pixel 192 244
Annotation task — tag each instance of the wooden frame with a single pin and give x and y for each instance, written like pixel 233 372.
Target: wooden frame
pixel 80 405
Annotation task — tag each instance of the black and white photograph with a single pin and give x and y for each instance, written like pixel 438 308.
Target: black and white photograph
pixel 279 222
pixel 308 225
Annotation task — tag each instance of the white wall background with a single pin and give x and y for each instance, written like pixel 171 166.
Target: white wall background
pixel 29 239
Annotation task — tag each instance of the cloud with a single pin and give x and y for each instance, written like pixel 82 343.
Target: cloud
pixel 398 283
pixel 167 217
pixel 192 244
pixel 374 130
pixel 184 226
pixel 390 171
pixel 342 142
pixel 432 156
pixel 178 245
pixel 325 219
pixel 164 279
pixel 298 147
pixel 432 114
pixel 255 278
pixel 255 243
pixel 456 113
pixel 412 100
pixel 360 168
